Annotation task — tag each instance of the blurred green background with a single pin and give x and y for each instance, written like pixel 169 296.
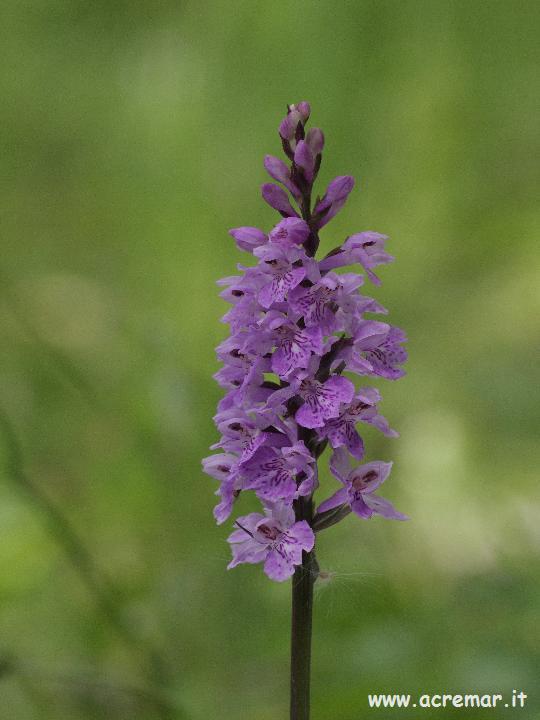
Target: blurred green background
pixel 132 139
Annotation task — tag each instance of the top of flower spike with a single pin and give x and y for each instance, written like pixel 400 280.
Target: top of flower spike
pixel 304 150
pixel 296 115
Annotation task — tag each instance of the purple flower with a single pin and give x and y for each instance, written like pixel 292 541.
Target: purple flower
pixel 304 108
pixel 280 473
pixel 248 238
pixel 315 141
pixel 341 431
pixel 332 303
pixel 294 345
pixel 360 484
pixel 275 539
pixel 277 169
pixel 295 327
pixel 244 433
pixel 305 160
pixel 366 248
pixel 289 125
pixel 241 293
pixel 314 303
pixel 288 232
pixel 282 269
pixel 277 198
pixel 334 199
pixel 224 467
pixel 293 124
pixel 377 350
pixel 241 371
pixel 321 400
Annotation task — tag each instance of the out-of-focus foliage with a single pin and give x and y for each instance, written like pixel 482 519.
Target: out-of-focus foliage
pixel 132 139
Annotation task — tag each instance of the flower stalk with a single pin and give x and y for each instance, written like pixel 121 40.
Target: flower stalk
pixel 301 630
pixel 295 318
pixel 303 581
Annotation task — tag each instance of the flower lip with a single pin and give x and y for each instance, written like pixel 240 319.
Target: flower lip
pixel 362 482
pixel 269 532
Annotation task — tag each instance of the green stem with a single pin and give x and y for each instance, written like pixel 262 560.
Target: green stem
pixel 301 623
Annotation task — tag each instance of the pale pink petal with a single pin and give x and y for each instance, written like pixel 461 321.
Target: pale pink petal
pixel 383 507
pixel 310 415
pixel 278 566
pixel 377 469
pixel 303 535
pixel 249 552
pixel 341 388
pixel 291 231
pixel 340 465
pixel 341 497
pixel 277 198
pixel 360 508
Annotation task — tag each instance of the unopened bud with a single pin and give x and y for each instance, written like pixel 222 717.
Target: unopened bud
pixel 315 140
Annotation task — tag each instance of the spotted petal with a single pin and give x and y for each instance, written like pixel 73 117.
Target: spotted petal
pixel 276 290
